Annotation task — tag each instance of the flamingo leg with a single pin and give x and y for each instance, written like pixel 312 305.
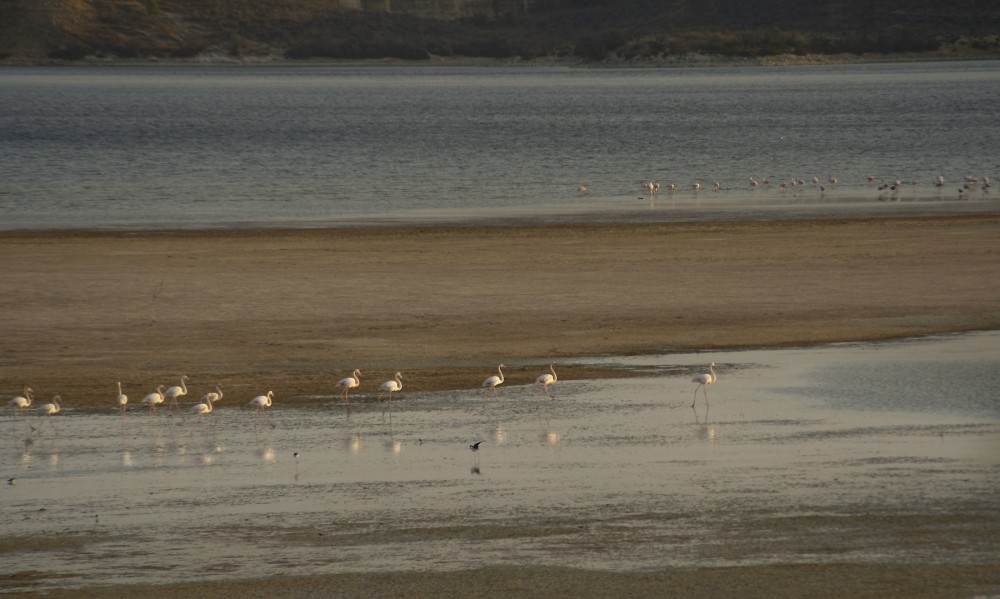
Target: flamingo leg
pixel 696 395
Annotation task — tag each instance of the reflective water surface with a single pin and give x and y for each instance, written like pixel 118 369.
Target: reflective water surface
pixel 608 474
pixel 164 147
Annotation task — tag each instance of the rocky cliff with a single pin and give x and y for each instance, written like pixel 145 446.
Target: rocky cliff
pixel 43 30
pixel 130 28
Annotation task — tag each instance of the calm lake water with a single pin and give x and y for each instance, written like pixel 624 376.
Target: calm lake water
pixel 159 147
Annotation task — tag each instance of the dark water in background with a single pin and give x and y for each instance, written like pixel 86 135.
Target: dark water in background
pixel 204 146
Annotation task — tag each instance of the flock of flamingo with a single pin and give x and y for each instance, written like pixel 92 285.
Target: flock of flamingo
pixel 169 395
pixel 969 183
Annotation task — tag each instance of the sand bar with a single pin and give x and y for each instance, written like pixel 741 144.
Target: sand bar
pixel 296 310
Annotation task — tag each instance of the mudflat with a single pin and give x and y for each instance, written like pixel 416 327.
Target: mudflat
pixel 296 310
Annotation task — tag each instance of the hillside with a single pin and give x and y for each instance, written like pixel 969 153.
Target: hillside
pixel 592 30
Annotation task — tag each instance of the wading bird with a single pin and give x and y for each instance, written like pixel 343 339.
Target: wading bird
pixel 494 381
pixel 547 379
pixel 200 409
pixel 213 396
pixel 176 391
pixel 22 402
pixel 349 383
pixel 122 398
pixel 260 403
pixel 703 381
pixel 390 386
pixel 153 399
pixel 474 448
pixel 49 409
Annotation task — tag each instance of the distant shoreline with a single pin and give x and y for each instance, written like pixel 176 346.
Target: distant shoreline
pixel 694 60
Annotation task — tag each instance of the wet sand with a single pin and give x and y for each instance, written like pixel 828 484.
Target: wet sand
pixel 294 311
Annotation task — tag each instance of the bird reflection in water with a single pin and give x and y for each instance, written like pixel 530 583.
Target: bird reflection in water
pixel 707 431
pixel 549 435
pixel 354 445
pixel 211 449
pixel 500 434
pixel 26 457
pixel 268 455
pixel 395 447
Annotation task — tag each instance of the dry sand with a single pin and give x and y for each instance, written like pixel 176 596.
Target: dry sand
pixel 294 311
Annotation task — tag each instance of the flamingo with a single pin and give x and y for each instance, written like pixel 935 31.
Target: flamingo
pixel 154 398
pixel 176 391
pixel 703 380
pixel 390 386
pixel 259 404
pixel 753 182
pixel 213 395
pixel 547 379
pixel 204 408
pixel 583 190
pixel 494 381
pixel 22 402
pixel 696 187
pixel 49 409
pixel 122 398
pixel 349 383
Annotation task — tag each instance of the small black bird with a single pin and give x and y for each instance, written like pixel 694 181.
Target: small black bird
pixel 475 446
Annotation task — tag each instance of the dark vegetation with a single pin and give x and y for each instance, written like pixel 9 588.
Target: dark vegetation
pixel 591 30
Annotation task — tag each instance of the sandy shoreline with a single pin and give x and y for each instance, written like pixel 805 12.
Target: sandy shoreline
pixel 296 310
pixel 832 581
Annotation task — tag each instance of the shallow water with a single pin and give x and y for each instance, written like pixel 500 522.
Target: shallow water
pixel 609 474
